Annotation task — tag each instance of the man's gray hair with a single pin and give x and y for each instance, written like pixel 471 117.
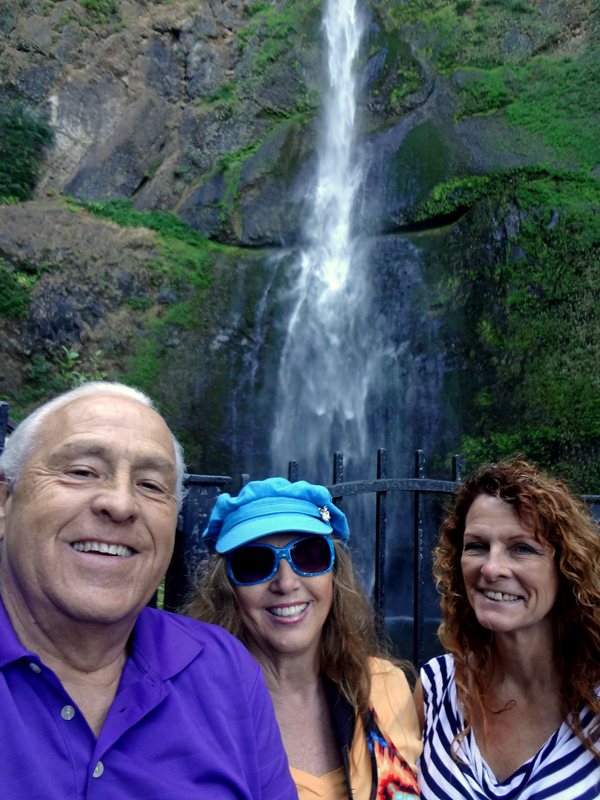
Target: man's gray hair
pixel 26 437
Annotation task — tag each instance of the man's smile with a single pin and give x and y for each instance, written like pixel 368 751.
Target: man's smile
pixel 103 547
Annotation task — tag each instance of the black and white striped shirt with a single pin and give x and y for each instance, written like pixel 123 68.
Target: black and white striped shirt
pixel 563 769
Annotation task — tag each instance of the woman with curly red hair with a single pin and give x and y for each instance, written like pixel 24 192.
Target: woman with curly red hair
pixel 513 709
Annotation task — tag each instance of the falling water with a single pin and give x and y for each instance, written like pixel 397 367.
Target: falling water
pixel 323 378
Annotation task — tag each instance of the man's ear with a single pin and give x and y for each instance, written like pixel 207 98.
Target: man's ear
pixel 5 493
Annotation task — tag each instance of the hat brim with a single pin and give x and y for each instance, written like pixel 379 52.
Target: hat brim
pixel 252 529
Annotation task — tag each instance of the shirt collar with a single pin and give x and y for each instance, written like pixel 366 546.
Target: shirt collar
pixel 11 648
pixel 165 642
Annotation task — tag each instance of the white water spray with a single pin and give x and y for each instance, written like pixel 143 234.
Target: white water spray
pixel 323 378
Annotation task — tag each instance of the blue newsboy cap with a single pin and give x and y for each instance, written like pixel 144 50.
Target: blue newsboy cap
pixel 274 506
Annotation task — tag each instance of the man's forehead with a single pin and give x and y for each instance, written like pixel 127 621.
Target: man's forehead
pixel 97 421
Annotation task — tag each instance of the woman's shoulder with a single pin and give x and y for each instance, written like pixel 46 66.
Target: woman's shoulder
pixel 438 669
pixel 437 680
pixel 386 673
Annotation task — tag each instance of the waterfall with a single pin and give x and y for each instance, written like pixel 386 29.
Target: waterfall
pixel 323 377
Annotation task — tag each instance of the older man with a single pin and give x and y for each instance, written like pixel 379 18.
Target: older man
pixel 101 697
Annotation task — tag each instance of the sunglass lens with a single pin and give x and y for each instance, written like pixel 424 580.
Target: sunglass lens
pixel 252 564
pixel 312 555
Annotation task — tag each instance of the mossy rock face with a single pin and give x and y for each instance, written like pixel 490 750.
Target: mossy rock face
pixel 516 279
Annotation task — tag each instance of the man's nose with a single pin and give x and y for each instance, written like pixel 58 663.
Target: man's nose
pixel 116 499
pixel 285 579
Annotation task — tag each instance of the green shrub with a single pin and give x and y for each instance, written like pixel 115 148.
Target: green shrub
pixel 140 302
pixel 14 298
pixel 101 10
pixel 22 139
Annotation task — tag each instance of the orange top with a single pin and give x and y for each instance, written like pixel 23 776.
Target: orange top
pixel 392 700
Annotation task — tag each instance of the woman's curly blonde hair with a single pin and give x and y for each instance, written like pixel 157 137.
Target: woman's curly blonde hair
pixel 349 637
pixel 556 517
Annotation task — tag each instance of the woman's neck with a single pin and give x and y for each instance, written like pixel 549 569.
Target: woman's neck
pixel 525 658
pixel 287 674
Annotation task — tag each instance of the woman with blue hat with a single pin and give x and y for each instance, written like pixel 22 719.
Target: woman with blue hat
pixel 282 582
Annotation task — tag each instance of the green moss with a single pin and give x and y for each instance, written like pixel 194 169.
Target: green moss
pixel 182 261
pixel 520 321
pixel 15 287
pixel 555 99
pixel 457 34
pixel 272 29
pixel 101 10
pixel 145 366
pixel 420 162
pixel 400 75
pixel 532 185
pixel 22 139
pixel 14 298
pixel 153 169
pixel 43 381
pixel 140 303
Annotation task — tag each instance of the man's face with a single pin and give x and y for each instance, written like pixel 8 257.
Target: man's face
pixel 89 529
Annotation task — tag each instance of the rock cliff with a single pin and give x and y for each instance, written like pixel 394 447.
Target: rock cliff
pixel 169 205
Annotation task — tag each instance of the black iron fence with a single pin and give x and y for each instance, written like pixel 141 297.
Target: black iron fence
pixel 190 550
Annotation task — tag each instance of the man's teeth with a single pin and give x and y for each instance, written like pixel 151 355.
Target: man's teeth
pixel 500 596
pixel 288 611
pixel 103 547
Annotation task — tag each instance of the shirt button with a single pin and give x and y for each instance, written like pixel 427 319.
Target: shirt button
pixel 67 712
pixel 34 667
pixel 99 770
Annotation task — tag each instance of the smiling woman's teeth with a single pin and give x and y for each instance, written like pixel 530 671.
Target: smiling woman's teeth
pixel 102 547
pixel 500 596
pixel 288 611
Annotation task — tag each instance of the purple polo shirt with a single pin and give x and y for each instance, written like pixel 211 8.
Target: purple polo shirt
pixel 192 719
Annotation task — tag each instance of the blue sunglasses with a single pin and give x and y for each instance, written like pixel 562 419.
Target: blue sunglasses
pixel 256 563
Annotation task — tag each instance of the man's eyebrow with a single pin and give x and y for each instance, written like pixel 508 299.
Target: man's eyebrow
pixel 155 462
pixel 94 448
pixel 80 448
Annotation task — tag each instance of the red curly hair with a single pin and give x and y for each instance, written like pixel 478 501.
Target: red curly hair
pixel 562 521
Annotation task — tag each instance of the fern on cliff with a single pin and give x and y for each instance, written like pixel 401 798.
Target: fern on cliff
pixel 22 139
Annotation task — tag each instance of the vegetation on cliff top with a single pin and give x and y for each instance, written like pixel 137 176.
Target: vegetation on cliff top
pixel 459 33
pixel 554 99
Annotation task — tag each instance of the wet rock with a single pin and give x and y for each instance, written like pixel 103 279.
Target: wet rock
pixel 68 44
pixel 9 12
pixel 163 73
pixel 516 48
pixel 200 25
pixel 34 82
pixel 205 70
pixel 33 35
pixel 202 209
pixel 116 55
pixel 116 167
pixel 517 253
pixel 167 296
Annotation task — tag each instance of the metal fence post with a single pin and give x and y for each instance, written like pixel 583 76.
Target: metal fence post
pixel 190 549
pixel 457 468
pixel 380 541
pixel 418 611
pixel 292 471
pixel 4 409
pixel 338 474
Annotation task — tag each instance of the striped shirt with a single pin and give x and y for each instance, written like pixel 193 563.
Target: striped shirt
pixel 563 769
